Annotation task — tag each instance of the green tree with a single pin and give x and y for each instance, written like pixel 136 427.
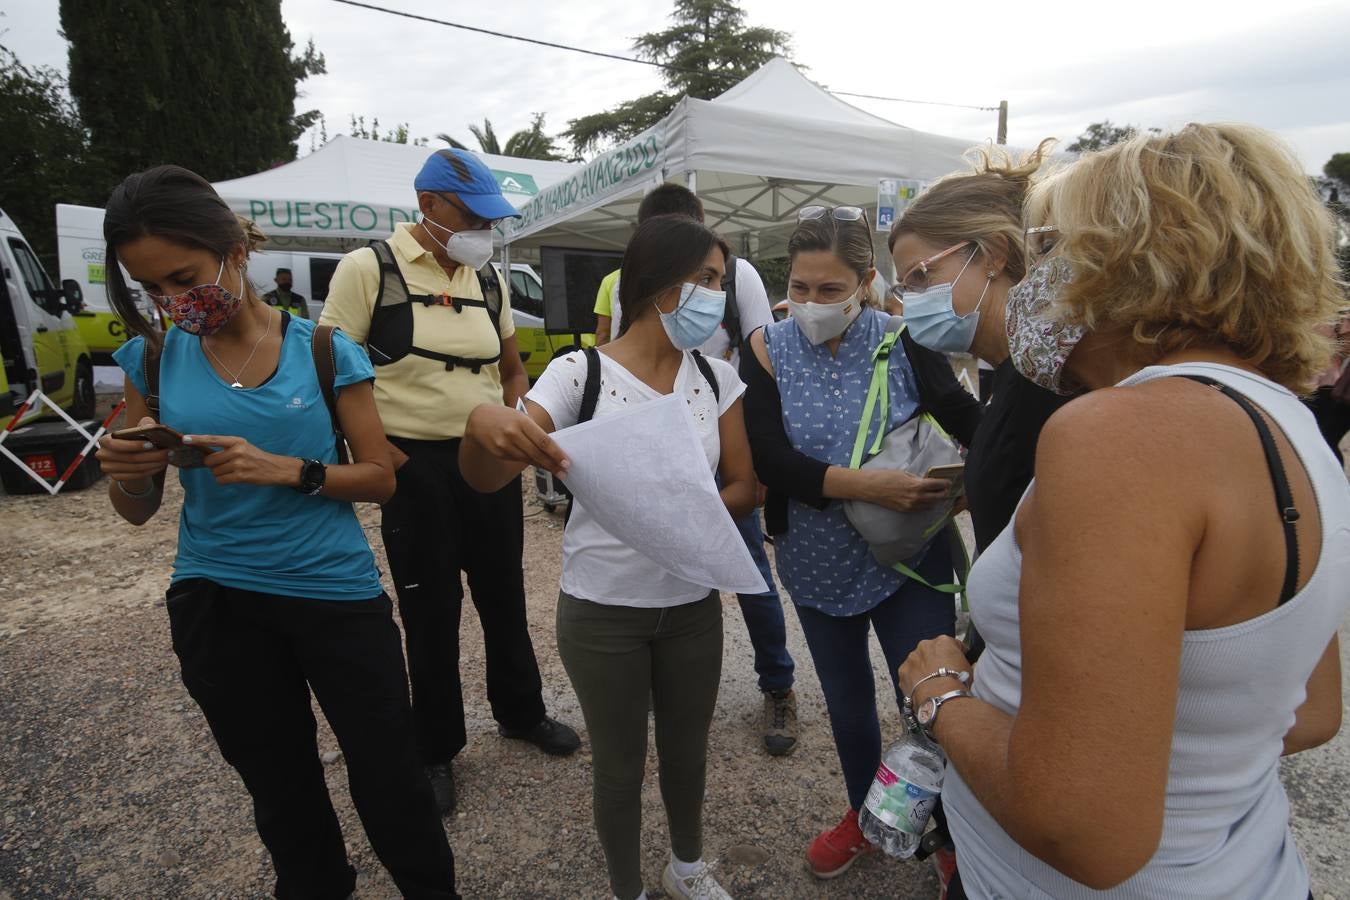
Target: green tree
pixel 1100 135
pixel 44 156
pixel 209 86
pixel 529 143
pixel 397 135
pixel 1338 168
pixel 708 49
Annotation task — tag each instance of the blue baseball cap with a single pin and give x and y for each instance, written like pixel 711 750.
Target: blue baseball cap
pixel 463 174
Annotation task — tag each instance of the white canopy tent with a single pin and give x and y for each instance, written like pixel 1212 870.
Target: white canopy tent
pixel 771 144
pixel 351 191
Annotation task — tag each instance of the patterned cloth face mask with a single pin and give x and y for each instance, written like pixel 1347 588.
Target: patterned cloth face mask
pixel 1038 343
pixel 204 309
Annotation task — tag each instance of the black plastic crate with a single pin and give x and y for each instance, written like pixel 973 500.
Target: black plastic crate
pixel 49 448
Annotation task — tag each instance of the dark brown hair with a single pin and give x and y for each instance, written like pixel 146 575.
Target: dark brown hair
pixel 661 253
pixel 173 203
pixel 670 199
pixel 850 241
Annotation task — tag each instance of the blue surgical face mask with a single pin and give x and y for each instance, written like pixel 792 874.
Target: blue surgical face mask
pixel 696 318
pixel 932 320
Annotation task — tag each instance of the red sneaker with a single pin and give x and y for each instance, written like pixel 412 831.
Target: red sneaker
pixel 944 864
pixel 837 848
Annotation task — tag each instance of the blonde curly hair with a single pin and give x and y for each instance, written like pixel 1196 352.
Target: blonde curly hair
pixel 1208 234
pixel 983 205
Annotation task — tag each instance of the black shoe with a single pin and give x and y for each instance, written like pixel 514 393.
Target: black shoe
pixel 554 738
pixel 443 785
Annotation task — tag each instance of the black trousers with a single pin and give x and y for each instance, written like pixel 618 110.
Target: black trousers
pixel 434 528
pixel 250 661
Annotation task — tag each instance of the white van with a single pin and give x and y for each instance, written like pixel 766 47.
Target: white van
pixel 39 340
pixel 80 251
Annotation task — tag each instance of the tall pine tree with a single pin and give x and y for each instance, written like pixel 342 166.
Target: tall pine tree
pixel 708 49
pixel 209 86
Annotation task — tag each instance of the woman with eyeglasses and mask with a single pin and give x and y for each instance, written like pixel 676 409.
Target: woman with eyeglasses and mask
pixel 627 629
pixel 1161 616
pixel 274 593
pixel 807 382
pixel 959 249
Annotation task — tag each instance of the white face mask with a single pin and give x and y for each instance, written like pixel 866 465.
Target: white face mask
pixel 822 321
pixel 468 248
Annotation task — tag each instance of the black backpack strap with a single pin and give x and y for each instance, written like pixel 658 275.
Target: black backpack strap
pixel 1284 496
pixel 705 369
pixel 392 291
pixel 325 366
pixel 590 396
pixel 590 392
pixel 150 356
pixel 731 313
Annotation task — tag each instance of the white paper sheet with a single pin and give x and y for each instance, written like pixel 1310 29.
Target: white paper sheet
pixel 643 476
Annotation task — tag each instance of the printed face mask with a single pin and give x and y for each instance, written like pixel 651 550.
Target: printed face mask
pixel 468 248
pixel 822 321
pixel 204 309
pixel 696 318
pixel 1039 344
pixel 932 319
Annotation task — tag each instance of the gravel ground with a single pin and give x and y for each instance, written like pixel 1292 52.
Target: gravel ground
pixel 111 786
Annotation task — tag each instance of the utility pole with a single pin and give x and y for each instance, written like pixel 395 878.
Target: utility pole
pixel 1003 121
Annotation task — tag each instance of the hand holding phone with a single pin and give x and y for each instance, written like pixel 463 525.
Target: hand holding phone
pixel 954 473
pixel 166 438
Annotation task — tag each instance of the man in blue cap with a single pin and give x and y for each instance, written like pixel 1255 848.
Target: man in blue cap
pixel 442 345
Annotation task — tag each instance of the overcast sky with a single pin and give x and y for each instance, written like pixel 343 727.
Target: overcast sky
pixel 1282 65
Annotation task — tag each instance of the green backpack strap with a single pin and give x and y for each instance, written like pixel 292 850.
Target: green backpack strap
pixel 878 399
pixel 960 564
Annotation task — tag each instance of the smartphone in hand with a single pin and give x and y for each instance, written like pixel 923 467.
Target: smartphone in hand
pixel 184 456
pixel 954 473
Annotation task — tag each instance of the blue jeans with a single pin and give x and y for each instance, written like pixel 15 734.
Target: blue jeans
pixel 839 649
pixel 764 616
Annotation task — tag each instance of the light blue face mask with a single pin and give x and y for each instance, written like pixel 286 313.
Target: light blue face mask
pixel 696 318
pixel 932 320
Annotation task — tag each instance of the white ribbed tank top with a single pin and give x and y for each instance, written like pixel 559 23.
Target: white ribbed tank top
pixel 1226 828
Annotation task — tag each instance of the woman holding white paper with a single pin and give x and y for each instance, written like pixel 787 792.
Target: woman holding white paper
pixel 628 629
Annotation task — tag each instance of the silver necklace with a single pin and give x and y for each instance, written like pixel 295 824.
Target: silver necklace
pixel 256 344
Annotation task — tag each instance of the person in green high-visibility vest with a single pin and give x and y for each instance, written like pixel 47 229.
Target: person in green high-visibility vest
pixel 285 298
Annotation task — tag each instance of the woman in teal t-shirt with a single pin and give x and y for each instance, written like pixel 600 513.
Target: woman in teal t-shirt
pixel 274 591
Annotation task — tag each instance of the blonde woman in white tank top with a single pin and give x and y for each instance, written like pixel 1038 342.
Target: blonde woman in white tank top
pixel 1161 615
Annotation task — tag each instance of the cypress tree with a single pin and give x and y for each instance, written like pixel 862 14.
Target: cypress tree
pixel 210 86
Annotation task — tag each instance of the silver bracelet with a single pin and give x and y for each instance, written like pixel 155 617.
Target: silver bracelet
pixel 136 496
pixel 942 672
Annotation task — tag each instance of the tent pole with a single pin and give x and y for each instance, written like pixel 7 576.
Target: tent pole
pixel 1003 121
pixel 691 181
pixel 506 272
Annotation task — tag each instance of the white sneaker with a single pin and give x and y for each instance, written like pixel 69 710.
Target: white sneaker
pixel 701 886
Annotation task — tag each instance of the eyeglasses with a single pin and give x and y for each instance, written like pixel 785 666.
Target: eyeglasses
pixel 839 213
pixel 1040 240
pixel 476 222
pixel 915 281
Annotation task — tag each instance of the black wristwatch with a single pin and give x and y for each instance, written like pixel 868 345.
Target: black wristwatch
pixel 312 476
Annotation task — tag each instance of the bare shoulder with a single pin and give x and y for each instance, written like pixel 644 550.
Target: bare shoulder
pixel 1145 437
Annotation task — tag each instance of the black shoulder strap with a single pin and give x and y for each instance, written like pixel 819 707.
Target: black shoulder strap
pixel 1284 497
pixel 150 356
pixel 731 314
pixel 325 366
pixel 491 289
pixel 590 392
pixel 705 368
pixel 389 294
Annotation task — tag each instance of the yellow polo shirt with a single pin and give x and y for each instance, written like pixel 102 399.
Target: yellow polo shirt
pixel 417 397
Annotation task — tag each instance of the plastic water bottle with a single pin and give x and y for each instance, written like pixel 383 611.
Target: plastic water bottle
pixel 903 794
